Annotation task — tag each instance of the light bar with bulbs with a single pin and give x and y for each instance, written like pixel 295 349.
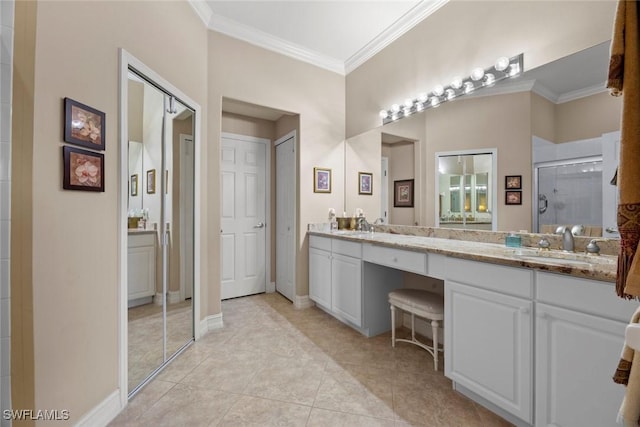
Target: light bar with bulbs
pixel 479 78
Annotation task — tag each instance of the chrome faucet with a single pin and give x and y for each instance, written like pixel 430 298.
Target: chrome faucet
pixel 567 240
pixel 363 225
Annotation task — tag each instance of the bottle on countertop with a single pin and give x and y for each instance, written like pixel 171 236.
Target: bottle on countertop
pixel 513 240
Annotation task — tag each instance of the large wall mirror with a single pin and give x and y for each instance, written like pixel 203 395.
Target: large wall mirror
pixel 557 112
pixel 160 239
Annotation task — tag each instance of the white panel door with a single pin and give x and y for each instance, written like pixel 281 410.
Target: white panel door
pixel 285 217
pixel 243 213
pixel 346 288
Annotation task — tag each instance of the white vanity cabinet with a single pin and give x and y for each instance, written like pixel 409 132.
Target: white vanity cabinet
pixel 141 267
pixel 580 326
pixel 335 277
pixel 320 271
pixel 489 334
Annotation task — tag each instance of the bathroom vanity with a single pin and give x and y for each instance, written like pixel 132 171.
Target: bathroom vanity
pixel 141 263
pixel 535 336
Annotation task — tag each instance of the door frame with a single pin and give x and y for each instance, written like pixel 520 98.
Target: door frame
pixel 128 60
pixel 299 302
pixel 267 171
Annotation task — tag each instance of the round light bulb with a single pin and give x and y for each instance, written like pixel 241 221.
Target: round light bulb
pixel 502 63
pixel 435 101
pixel 489 79
pixel 423 97
pixel 468 87
pixel 456 83
pixel 395 108
pixel 408 103
pixel 438 90
pixel 477 74
pixel 450 94
pixel 384 114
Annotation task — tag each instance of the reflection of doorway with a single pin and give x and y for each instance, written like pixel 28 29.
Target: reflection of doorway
pixel 243 165
pixel 187 163
pixel 384 190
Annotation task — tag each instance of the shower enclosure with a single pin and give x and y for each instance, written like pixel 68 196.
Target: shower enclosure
pixel 569 192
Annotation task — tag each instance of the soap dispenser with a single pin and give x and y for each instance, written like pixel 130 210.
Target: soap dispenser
pixel 513 240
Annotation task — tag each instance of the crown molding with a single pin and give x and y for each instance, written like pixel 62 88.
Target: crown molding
pixel 259 38
pixel 582 93
pixel 202 9
pixel 544 92
pixel 409 20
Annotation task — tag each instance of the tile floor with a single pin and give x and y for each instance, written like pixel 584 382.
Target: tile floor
pixel 273 365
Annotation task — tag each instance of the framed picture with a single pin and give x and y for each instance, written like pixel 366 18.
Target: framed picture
pixel 403 193
pixel 83 170
pixel 513 198
pixel 321 180
pixel 151 181
pixel 365 183
pixel 134 185
pixel 83 125
pixel 513 182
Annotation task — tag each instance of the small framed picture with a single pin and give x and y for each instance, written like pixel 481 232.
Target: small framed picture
pixel 513 198
pixel 365 183
pixel 321 180
pixel 151 181
pixel 83 125
pixel 134 185
pixel 403 193
pixel 82 170
pixel 513 182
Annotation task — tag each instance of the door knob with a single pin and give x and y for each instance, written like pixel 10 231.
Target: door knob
pixel 259 225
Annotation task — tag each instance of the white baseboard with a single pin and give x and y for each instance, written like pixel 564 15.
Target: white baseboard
pixel 103 413
pixel 211 323
pixel 173 297
pixel 157 299
pixel 303 301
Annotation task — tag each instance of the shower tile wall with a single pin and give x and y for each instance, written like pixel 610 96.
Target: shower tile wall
pixel 6 65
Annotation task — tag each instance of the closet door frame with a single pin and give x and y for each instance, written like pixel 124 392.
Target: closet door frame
pixel 128 61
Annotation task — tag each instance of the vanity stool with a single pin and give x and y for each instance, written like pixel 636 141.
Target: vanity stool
pixel 425 304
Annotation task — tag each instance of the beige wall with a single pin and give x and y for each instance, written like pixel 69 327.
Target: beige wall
pixel 250 74
pixel 67 285
pixel 588 117
pixel 465 34
pixel 502 122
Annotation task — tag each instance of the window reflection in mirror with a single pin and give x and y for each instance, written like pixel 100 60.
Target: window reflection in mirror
pixel 466 190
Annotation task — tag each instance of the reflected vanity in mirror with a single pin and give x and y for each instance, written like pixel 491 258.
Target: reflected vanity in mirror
pixel 554 113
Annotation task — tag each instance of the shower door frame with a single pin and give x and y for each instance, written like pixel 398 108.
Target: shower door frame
pixel 555 163
pixel 128 61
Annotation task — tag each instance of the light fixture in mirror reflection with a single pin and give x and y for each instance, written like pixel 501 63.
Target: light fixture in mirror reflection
pixel 466 190
pixel 479 78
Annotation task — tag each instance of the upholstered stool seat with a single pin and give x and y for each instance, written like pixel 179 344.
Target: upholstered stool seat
pixel 424 304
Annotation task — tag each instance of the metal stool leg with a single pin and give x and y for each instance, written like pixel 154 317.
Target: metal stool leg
pixel 393 326
pixel 434 329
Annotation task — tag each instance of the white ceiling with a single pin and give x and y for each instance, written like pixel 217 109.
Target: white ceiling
pixel 335 35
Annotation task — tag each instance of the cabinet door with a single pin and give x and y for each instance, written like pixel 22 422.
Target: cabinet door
pixel 488 346
pixel 320 277
pixel 141 272
pixel 576 355
pixel 346 295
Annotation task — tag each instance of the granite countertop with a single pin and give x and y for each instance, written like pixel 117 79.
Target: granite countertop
pixel 598 267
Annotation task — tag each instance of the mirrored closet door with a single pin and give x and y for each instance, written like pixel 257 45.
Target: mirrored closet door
pixel 160 237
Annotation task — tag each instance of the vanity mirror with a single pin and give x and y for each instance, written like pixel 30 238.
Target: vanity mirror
pixel 559 108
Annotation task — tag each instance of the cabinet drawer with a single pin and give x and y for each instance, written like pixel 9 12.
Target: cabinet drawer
pixel 344 247
pixel 141 240
pixel 508 280
pixel 415 262
pixel 318 242
pixel 588 296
